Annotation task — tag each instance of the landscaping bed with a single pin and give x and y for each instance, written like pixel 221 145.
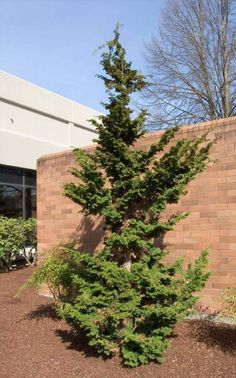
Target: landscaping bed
pixel 35 343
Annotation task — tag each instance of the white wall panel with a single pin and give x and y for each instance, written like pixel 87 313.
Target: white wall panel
pixel 35 122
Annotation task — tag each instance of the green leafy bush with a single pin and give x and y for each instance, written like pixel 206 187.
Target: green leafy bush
pixel 17 239
pixel 126 298
pixel 55 271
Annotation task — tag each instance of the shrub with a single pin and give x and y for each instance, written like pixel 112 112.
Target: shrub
pixel 120 310
pixel 230 303
pixel 17 239
pixel 55 271
pixel 29 246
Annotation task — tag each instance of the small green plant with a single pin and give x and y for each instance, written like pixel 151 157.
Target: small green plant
pixel 17 239
pixel 55 271
pixel 229 300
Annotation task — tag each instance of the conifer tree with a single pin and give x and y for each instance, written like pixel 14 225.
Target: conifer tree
pixel 129 187
pixel 126 298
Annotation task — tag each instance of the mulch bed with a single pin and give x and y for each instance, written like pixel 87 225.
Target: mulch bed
pixel 34 343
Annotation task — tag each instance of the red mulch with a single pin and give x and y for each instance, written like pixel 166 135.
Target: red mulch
pixel 34 343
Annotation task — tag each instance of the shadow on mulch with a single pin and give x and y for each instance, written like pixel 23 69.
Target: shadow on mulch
pixel 43 311
pixel 79 343
pixel 76 342
pixel 214 334
pixel 210 333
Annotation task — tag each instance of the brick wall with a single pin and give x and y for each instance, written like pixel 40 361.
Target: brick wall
pixel 211 200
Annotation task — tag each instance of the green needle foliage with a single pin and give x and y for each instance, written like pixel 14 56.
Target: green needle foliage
pixel 126 298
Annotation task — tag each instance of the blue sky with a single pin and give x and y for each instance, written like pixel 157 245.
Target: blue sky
pixel 51 42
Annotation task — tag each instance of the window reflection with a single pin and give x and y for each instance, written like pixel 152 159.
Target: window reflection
pixel 11 201
pixel 30 178
pixel 17 192
pixel 11 175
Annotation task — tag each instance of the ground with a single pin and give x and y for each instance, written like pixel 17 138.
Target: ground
pixel 35 343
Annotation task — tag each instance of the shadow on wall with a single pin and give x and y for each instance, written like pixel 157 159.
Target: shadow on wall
pixel 161 243
pixel 89 234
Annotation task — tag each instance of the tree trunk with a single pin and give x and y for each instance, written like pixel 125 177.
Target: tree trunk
pixel 127 263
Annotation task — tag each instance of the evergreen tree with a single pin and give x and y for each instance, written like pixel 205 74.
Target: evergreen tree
pixel 129 187
pixel 125 298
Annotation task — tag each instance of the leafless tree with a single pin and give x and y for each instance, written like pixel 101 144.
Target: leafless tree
pixel 192 63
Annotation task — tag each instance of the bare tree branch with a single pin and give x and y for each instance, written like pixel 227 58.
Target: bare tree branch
pixel 192 63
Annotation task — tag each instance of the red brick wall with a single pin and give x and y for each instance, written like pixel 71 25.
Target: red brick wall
pixel 211 200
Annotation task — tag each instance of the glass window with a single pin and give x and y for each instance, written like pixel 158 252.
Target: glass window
pixel 30 202
pixel 11 175
pixel 11 201
pixel 17 192
pixel 30 178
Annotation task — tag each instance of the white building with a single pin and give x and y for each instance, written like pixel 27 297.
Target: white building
pixel 34 122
